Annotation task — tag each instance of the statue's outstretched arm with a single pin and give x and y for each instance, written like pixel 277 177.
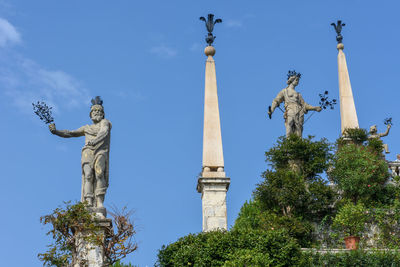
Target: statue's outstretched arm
pixel 67 133
pixel 385 133
pixel 103 132
pixel 309 107
pixel 316 108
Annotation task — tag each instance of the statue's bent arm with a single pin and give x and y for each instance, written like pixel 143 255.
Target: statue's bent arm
pixel 73 133
pixel 103 132
pixel 278 100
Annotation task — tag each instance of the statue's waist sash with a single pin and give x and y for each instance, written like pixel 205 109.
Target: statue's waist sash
pixel 89 155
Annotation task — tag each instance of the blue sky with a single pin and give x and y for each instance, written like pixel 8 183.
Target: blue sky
pixel 146 60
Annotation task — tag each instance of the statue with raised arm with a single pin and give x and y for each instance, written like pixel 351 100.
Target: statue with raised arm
pixel 373 133
pixel 95 155
pixel 295 106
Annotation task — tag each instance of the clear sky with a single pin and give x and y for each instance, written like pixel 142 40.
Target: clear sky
pixel 146 60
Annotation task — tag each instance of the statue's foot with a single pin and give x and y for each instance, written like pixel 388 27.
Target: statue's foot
pixel 89 200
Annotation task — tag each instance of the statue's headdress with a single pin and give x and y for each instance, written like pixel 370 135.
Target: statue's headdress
pixel 96 102
pixel 293 73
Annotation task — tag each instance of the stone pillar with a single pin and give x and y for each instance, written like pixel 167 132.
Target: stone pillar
pixel 348 114
pixel 213 183
pixel 213 196
pixel 89 254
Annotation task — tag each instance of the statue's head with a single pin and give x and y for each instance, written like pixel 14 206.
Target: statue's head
pixel 373 129
pixel 97 110
pixel 293 77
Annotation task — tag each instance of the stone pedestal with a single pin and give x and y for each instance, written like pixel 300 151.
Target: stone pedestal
pixel 88 253
pixel 213 195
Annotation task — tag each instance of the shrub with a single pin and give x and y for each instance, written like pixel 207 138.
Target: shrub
pixel 356 135
pixel 217 248
pixel 351 219
pixel 251 217
pixel 312 156
pixel 351 258
pixel 294 186
pixel 360 173
pixel 120 264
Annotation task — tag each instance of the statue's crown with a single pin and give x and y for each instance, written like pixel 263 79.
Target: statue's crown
pixel 97 101
pixel 293 73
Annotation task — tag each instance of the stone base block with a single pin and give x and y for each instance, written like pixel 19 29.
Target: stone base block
pixel 89 254
pixel 213 196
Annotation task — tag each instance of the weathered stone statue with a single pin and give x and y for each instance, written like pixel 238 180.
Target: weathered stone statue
pixel 295 106
pixel 373 133
pixel 95 155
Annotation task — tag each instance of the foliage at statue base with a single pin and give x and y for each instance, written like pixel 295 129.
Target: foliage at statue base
pixel 74 224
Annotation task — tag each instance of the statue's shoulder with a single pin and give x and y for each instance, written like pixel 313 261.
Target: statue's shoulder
pixel 106 122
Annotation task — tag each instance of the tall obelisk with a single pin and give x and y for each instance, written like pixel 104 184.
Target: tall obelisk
pixel 348 114
pixel 213 183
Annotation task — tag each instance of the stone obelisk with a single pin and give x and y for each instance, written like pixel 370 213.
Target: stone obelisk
pixel 213 183
pixel 348 114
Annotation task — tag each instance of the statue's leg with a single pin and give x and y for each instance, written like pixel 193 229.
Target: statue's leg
pixel 289 124
pixel 88 174
pixel 299 130
pixel 101 186
pixel 386 148
pixel 299 125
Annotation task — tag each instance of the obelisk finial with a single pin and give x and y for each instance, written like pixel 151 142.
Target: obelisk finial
pixel 339 36
pixel 210 22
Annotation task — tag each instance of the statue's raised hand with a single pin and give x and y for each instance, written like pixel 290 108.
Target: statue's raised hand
pixel 52 128
pixel 318 109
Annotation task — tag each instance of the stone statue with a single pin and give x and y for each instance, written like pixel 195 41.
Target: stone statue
pixel 95 155
pixel 295 106
pixel 373 133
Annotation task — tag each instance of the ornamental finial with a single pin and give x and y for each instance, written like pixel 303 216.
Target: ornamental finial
pixel 97 101
pixel 338 29
pixel 210 22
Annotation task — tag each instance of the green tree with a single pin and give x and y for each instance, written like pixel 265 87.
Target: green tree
pixel 360 170
pixel 293 195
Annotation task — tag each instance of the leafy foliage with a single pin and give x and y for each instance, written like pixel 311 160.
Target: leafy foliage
pixel 351 219
pixel 388 221
pixel 360 173
pixel 273 248
pixel 119 243
pixel 251 216
pixel 120 264
pixel 74 224
pixel 43 111
pixel 293 194
pixel 351 258
pixel 313 156
pixel 356 135
pixel 65 223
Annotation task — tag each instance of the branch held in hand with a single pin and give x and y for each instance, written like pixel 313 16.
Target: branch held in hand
pixel 388 121
pixel 43 111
